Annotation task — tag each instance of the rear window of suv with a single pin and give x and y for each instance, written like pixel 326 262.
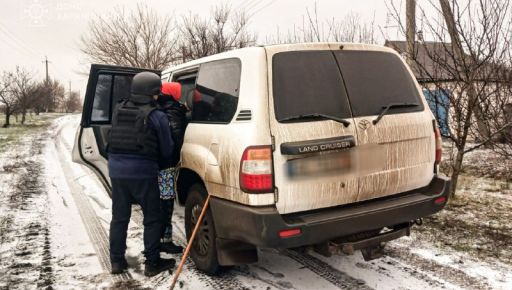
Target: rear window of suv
pixel 308 82
pixel 375 79
pixel 323 82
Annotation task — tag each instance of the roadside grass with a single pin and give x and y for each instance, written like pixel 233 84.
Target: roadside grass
pixel 33 124
pixel 476 221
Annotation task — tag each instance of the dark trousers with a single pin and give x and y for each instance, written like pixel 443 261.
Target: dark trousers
pixel 146 193
pixel 167 210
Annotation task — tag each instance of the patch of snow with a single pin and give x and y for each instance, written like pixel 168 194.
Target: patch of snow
pixel 76 261
pixel 499 276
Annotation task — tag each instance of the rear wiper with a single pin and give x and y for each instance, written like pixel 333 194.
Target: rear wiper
pixel 315 115
pixel 392 105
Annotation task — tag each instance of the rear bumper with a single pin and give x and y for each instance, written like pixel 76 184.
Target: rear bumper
pixel 260 226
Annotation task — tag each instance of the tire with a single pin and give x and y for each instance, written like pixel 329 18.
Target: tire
pixel 204 248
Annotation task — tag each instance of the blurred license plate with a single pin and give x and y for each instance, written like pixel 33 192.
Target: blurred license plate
pixel 328 164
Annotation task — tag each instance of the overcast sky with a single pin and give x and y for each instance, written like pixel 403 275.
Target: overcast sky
pixel 33 29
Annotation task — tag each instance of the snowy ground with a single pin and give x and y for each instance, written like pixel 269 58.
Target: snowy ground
pixel 54 219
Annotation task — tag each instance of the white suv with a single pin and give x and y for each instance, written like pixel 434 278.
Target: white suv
pixel 301 144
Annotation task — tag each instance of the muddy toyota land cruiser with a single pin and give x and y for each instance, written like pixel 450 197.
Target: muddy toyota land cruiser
pixel 328 145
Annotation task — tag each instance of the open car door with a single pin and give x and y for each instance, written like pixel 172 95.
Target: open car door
pixel 107 85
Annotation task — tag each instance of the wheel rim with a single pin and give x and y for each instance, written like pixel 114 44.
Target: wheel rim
pixel 202 240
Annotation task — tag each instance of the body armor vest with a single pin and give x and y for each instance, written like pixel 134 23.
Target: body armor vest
pixel 131 133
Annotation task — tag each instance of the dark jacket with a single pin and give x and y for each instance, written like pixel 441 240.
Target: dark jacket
pixel 138 166
pixel 177 115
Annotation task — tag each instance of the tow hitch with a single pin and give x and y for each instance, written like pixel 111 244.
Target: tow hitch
pixel 371 247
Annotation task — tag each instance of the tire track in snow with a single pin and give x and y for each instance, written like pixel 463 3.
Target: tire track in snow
pixel 326 271
pixel 223 281
pixel 95 230
pixel 452 275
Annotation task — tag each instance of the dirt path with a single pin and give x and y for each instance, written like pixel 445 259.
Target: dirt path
pixel 25 246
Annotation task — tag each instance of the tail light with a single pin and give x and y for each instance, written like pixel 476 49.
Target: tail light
pixel 440 200
pixel 439 144
pixel 256 170
pixel 289 233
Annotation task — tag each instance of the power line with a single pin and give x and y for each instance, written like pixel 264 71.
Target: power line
pixel 16 46
pixel 18 41
pixel 248 6
pixel 56 68
pixel 241 4
pixel 252 5
pixel 263 7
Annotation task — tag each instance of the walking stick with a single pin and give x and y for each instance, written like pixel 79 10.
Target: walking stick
pixel 190 241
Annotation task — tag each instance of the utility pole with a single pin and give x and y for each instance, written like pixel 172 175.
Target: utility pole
pixel 45 61
pixel 410 8
pixel 66 102
pixel 46 64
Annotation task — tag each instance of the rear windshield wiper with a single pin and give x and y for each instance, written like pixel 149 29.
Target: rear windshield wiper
pixel 315 115
pixel 392 105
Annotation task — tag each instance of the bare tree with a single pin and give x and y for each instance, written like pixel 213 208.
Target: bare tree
pixel 349 28
pixel 223 30
pixel 139 39
pixel 44 101
pixel 72 103
pixel 49 96
pixel 24 91
pixel 7 97
pixel 471 68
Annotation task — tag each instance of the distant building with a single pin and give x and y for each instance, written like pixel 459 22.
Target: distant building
pixel 435 71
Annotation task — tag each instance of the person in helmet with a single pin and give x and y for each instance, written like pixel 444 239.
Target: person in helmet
pixel 168 102
pixel 139 142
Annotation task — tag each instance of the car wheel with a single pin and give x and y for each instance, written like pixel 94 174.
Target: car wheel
pixel 204 250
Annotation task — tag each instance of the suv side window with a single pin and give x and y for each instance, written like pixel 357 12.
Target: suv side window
pixel 110 89
pixel 122 88
pixel 101 103
pixel 217 88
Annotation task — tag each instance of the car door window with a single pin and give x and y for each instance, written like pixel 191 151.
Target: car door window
pixel 188 86
pixel 121 90
pixel 101 103
pixel 215 97
pixel 110 89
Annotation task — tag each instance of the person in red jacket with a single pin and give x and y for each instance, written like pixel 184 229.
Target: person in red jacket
pixel 168 102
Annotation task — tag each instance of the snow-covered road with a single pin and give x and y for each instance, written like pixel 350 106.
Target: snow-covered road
pixel 69 210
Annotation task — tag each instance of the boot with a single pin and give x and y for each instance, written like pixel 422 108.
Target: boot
pixel 118 267
pixel 170 248
pixel 154 268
